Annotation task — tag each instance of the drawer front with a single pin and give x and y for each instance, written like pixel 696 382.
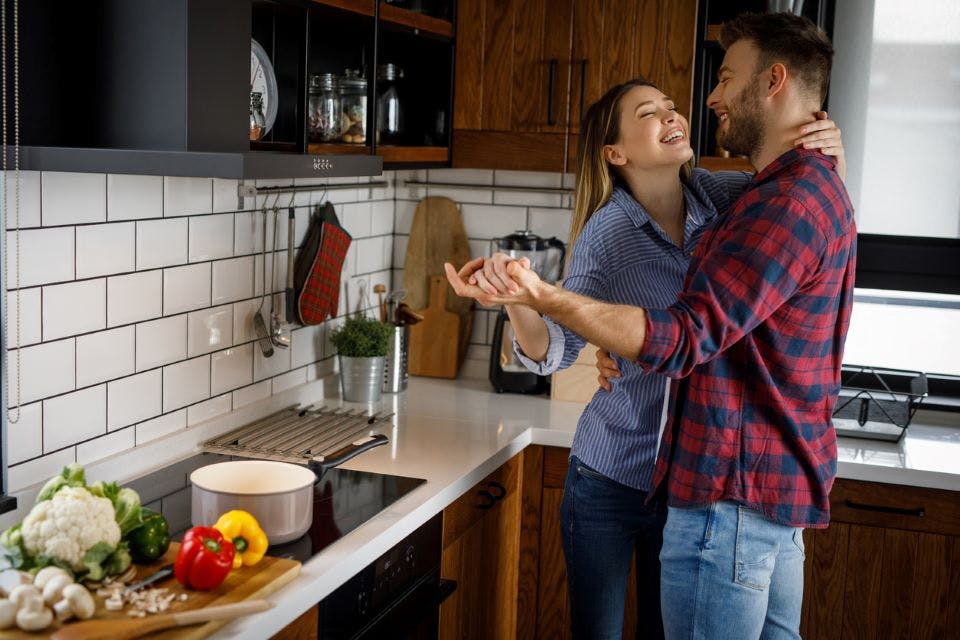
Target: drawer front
pixel 482 498
pixel 895 506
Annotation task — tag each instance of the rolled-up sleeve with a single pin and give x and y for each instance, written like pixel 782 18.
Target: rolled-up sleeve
pixel 757 262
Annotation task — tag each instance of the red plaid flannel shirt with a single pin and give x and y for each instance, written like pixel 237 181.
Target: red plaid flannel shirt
pixel 757 336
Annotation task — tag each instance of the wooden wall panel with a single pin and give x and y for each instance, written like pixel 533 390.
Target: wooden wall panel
pixel 676 69
pixel 557 35
pixel 553 616
pixel 468 89
pixel 861 592
pixel 531 487
pixel 825 589
pixel 497 64
pixel 530 69
pixel 936 593
pixel 897 588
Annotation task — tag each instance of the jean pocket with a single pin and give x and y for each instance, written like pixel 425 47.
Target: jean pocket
pixel 798 541
pixel 757 548
pixel 586 472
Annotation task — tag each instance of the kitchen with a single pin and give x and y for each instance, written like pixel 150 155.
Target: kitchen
pixel 132 277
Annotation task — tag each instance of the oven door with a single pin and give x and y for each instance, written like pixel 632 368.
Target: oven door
pixel 413 616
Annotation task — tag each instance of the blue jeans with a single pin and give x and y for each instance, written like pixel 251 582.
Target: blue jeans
pixel 603 522
pixel 728 572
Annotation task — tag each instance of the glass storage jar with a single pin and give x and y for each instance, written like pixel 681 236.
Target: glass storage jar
pixel 353 101
pixel 323 108
pixel 257 122
pixel 389 111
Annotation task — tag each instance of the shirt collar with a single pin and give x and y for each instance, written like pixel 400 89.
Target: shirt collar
pixel 789 158
pixel 639 216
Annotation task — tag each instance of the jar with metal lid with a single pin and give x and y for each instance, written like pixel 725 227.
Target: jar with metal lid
pixel 353 102
pixel 389 111
pixel 257 122
pixel 323 108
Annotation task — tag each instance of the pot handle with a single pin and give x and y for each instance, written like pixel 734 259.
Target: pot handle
pixel 321 466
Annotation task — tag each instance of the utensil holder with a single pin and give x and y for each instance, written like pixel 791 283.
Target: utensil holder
pixel 395 371
pixel 361 379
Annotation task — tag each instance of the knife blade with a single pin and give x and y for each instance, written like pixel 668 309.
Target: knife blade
pixel 161 573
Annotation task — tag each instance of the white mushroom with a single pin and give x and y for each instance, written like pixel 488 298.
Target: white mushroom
pixel 8 613
pixel 11 578
pixel 113 604
pixel 30 620
pixel 47 574
pixel 30 602
pixel 51 592
pixel 24 592
pixel 77 601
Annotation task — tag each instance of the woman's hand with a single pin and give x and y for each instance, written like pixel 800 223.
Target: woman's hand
pixel 824 134
pixel 493 278
pixel 466 283
pixel 608 369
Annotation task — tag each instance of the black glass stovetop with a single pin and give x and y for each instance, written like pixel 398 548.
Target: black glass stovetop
pixel 342 501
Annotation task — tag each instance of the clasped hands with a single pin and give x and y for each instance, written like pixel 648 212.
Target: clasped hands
pixel 499 279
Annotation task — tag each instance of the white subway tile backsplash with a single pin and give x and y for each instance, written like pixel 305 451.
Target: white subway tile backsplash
pixel 484 222
pixel 74 417
pixel 232 279
pixel 243 313
pixel 134 197
pixel 399 251
pixel 211 237
pixel 461 176
pixel 186 382
pixel 39 470
pixel 134 297
pixel 73 198
pixel 23 328
pixel 76 307
pixel 551 222
pixel 25 436
pixel 186 288
pixel 528 179
pixel 161 342
pixel 278 363
pixel 46 255
pixel 47 370
pixel 526 198
pixel 290 380
pixel 369 254
pixel 134 399
pixel 161 243
pixel 251 394
pixel 322 369
pixel 203 411
pixel 103 249
pixel 105 446
pixel 105 355
pixel 381 217
pixel 248 233
pixel 162 426
pixel 225 196
pixel 355 218
pixel 29 199
pixel 231 368
pixel 187 196
pixel 462 195
pixel 403 214
pixel 209 330
pixel 306 345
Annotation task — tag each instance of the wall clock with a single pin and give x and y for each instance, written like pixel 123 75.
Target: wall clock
pixel 264 81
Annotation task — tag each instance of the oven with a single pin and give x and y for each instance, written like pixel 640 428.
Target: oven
pixel 398 596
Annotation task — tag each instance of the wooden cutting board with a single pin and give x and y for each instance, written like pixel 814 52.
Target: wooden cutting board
pixel 437 236
pixel 434 341
pixel 245 583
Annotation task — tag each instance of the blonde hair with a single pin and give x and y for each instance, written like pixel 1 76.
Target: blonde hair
pixel 595 177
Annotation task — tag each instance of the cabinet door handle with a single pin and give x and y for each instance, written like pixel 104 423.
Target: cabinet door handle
pixel 497 490
pixel 551 80
pixel 918 512
pixel 487 500
pixel 583 85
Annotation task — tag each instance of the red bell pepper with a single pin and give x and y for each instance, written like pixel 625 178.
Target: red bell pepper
pixel 204 560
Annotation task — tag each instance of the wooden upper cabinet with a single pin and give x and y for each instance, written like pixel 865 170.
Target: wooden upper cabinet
pixel 530 67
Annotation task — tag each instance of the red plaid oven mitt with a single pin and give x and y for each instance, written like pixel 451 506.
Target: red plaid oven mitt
pixel 324 249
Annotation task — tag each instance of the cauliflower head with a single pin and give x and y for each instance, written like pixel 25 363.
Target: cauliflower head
pixel 68 524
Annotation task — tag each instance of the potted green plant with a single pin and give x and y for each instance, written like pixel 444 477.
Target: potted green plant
pixel 362 344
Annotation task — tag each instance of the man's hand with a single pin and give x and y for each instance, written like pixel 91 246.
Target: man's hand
pixel 608 369
pixel 469 282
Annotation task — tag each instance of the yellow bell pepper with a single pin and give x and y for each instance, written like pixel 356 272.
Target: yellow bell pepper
pixel 247 536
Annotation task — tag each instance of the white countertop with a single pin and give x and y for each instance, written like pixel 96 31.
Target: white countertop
pixel 453 433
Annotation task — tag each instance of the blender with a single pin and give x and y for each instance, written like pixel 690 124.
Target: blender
pixel 546 255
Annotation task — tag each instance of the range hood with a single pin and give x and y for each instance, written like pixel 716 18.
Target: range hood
pixel 155 87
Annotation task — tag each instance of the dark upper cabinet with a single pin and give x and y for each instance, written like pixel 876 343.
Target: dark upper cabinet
pixel 526 70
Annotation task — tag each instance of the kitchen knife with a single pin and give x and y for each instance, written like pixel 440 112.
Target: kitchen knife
pixel 161 573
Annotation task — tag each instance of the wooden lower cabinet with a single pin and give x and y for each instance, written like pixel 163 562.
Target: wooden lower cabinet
pixel 887 567
pixel 303 627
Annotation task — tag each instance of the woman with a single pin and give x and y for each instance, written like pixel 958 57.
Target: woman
pixel 640 210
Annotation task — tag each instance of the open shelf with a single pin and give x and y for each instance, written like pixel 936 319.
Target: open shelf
pixel 338 149
pixel 718 163
pixel 395 15
pixel 392 153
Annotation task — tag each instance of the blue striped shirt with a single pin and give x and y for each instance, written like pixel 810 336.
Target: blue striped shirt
pixel 625 257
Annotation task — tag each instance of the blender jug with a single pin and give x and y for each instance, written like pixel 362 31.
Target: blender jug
pixel 546 255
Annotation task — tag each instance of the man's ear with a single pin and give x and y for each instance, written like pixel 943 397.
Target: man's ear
pixel 613 155
pixel 776 79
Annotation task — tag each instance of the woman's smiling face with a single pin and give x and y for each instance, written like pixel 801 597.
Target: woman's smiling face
pixel 652 133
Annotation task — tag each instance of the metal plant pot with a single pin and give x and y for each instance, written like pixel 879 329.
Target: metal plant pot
pixel 361 379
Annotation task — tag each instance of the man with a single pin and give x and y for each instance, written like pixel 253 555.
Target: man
pixel 756 340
